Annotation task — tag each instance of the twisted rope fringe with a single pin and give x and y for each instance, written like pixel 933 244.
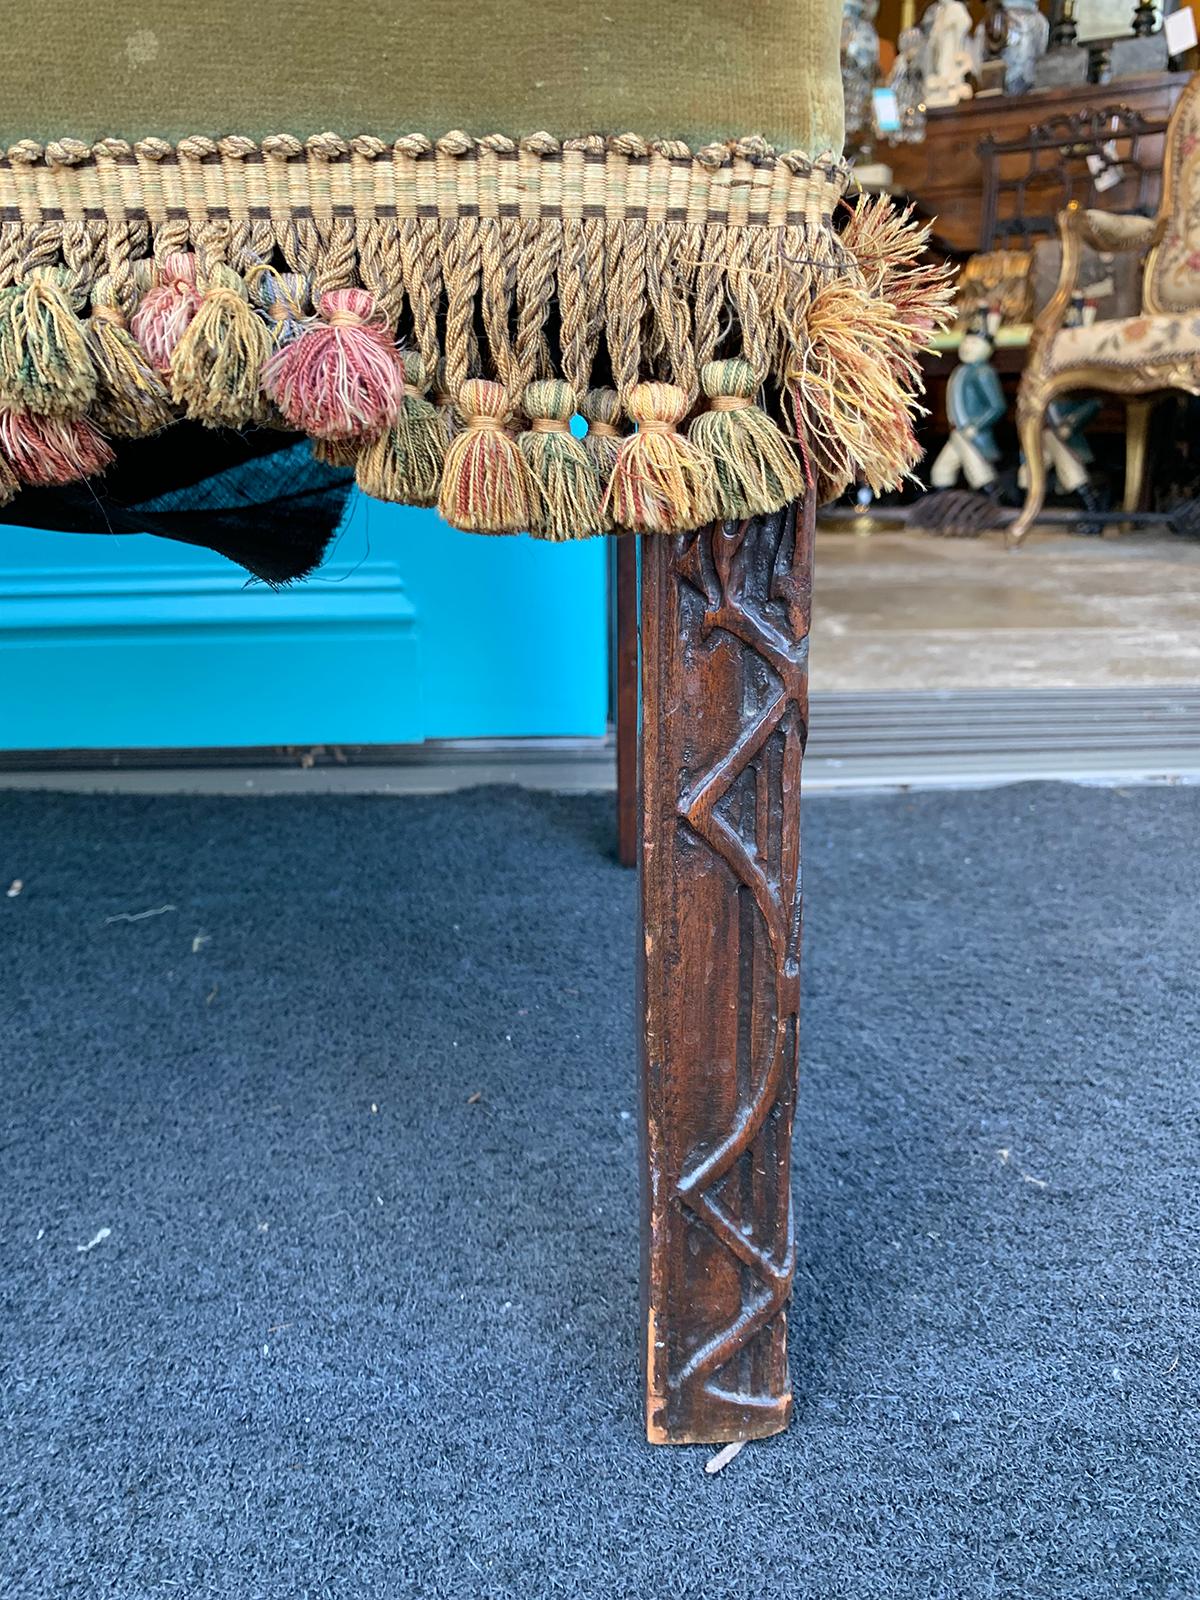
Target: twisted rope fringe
pixel 437 313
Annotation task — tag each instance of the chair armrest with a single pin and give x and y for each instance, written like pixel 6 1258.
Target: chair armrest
pixel 1106 231
pixel 1114 232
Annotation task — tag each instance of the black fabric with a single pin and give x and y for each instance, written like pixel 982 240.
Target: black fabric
pixel 260 498
pixel 356 1103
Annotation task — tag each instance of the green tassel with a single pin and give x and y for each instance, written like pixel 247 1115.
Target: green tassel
pixel 566 486
pixel 45 365
pixel 404 464
pixel 754 468
pixel 217 364
pixel 131 399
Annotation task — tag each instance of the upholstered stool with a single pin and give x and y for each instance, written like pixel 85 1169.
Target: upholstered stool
pixel 528 213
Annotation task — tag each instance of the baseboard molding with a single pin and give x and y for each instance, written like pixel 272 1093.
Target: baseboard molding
pixel 936 739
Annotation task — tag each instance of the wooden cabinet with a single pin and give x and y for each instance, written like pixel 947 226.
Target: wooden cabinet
pixel 944 175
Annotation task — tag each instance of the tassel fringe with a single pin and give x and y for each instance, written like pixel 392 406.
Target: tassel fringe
pixel 162 317
pixel 46 451
pixel 340 378
pixel 660 483
pixel 217 368
pixel 486 487
pixel 45 365
pixel 721 336
pixel 132 401
pixel 404 464
pixel 567 489
pixel 756 471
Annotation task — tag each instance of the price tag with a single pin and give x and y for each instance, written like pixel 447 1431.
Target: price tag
pixel 887 110
pixel 1180 29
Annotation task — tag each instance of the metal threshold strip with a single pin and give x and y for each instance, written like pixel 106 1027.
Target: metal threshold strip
pixel 975 738
pixel 927 739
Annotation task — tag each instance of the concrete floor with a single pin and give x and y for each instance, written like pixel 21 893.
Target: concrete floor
pixel 906 611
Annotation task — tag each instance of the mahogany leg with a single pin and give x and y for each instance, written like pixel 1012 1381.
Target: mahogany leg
pixel 627 698
pixel 724 716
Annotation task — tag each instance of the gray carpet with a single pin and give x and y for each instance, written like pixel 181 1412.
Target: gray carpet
pixel 317 1219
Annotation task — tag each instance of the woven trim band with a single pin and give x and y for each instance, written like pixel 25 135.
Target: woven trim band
pixel 736 337
pixel 200 179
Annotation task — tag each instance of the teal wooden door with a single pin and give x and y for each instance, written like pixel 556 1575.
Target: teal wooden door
pixel 410 631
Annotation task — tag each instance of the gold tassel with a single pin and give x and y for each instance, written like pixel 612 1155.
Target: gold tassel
pixel 566 485
pixel 131 399
pixel 485 482
pixel 754 470
pixel 404 464
pixel 10 484
pixel 45 365
pixel 660 484
pixel 853 372
pixel 217 364
pixel 852 408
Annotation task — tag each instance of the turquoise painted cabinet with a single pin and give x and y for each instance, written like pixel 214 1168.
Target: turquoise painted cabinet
pixel 410 631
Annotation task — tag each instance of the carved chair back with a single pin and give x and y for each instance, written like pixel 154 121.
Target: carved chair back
pixel 1172 280
pixel 1110 157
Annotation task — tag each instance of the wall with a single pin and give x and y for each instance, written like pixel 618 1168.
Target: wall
pixel 410 631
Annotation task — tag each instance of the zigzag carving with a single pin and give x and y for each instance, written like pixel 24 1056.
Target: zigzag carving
pixel 767 617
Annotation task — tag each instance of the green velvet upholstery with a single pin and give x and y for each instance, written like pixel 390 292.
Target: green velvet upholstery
pixel 695 70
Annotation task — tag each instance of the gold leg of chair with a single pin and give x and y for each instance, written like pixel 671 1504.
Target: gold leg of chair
pixel 1031 419
pixel 1137 434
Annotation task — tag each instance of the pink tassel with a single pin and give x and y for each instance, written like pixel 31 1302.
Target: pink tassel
pixel 342 377
pixel 167 307
pixel 44 451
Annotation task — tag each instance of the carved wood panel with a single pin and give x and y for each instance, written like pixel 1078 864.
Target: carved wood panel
pixel 724 692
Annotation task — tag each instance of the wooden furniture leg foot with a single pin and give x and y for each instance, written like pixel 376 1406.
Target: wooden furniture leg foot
pixel 724 717
pixel 1137 436
pixel 1031 420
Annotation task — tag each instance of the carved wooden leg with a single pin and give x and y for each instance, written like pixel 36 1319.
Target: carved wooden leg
pixel 1031 420
pixel 1137 436
pixel 724 716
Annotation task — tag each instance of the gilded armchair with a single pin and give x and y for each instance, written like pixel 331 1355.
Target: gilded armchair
pixel 1137 356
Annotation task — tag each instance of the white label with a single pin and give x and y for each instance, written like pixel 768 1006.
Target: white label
pixel 1180 29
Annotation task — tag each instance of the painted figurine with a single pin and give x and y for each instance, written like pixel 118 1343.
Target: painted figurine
pixel 974 404
pixel 1026 35
pixel 949 58
pixel 1068 454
